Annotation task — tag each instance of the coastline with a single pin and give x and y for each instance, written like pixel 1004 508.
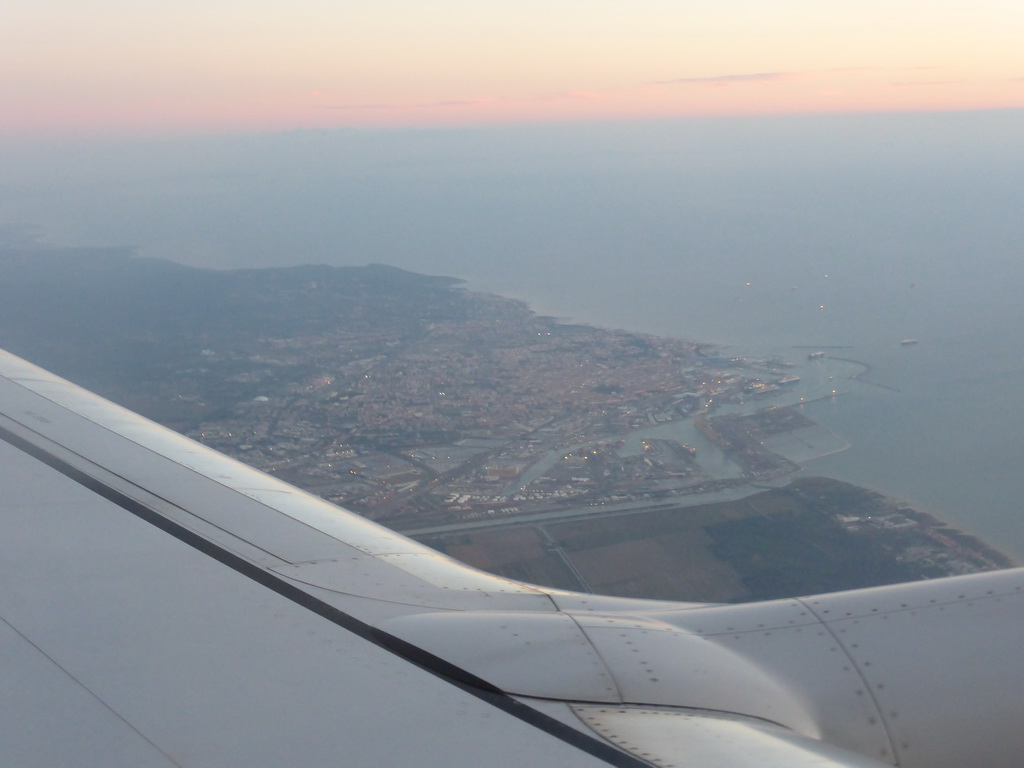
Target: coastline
pixel 979 542
pixel 960 536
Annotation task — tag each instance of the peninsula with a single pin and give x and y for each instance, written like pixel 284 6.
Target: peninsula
pixel 541 449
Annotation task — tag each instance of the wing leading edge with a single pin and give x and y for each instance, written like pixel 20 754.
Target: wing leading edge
pixel 169 602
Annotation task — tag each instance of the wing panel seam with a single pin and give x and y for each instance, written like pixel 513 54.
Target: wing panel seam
pixel 90 692
pixel 860 673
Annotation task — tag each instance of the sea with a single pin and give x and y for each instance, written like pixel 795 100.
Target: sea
pixel 760 236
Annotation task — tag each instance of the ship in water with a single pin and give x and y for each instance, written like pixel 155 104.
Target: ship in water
pixel 908 342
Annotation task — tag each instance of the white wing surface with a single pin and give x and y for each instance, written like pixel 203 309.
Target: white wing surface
pixel 164 605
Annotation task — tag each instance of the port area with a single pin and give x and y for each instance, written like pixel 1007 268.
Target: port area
pixel 681 461
pixel 812 535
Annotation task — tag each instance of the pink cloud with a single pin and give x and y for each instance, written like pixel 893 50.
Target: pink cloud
pixel 466 102
pixel 906 83
pixel 755 77
pixel 589 95
pixel 361 106
pixel 462 103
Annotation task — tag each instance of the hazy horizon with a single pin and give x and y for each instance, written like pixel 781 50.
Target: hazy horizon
pixel 551 213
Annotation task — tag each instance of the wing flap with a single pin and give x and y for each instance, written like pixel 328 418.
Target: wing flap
pixel 671 737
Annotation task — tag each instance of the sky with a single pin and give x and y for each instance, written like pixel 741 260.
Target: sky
pixel 757 174
pixel 124 68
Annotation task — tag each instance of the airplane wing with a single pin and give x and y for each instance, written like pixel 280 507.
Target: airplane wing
pixel 163 605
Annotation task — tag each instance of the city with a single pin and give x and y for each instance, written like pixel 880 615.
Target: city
pixel 582 457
